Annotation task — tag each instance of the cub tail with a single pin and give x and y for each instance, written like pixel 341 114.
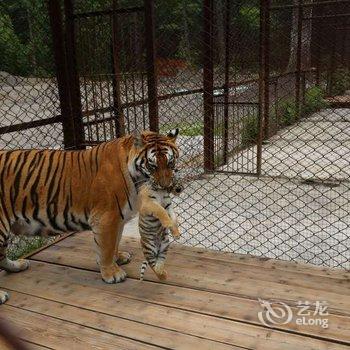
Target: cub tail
pixel 143 269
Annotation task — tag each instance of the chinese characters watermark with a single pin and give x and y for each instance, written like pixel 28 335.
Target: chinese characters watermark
pixel 307 313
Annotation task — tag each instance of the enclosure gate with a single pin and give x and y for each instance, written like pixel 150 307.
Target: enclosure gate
pixel 233 119
pixel 106 71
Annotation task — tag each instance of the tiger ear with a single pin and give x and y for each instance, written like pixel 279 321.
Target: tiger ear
pixel 172 134
pixel 138 139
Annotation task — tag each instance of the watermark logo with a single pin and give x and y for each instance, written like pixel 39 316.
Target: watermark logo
pixel 307 314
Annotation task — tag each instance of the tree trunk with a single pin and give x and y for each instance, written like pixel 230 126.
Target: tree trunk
pixel 220 28
pixel 32 46
pixel 306 30
pixel 186 39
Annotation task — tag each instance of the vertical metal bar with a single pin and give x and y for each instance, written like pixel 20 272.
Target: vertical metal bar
pixel 275 104
pixel 73 77
pixel 298 58
pixel 267 72
pixel 263 77
pixel 116 73
pixel 208 84
pixel 343 47
pixel 56 24
pixel 332 66
pixel 303 88
pixel 227 80
pixel 151 66
pixel 317 55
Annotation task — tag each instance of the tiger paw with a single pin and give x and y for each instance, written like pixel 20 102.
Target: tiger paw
pixel 22 264
pixel 112 274
pixel 123 258
pixel 4 296
pixel 14 265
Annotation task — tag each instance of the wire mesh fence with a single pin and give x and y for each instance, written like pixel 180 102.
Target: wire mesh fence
pixel 30 111
pixel 259 90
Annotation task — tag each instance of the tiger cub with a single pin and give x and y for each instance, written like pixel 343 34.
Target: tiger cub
pixel 156 219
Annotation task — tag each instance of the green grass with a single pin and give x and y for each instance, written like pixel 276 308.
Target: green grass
pixel 25 245
pixel 314 101
pixel 193 129
pixel 250 130
pixel 340 81
pixel 287 112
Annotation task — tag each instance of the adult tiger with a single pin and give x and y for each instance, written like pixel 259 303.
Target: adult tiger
pixel 58 191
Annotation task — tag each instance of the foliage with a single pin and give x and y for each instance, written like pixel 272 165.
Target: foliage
pixel 193 129
pixel 250 130
pixel 340 81
pixel 249 19
pixel 25 44
pixel 287 112
pixel 22 246
pixel 25 40
pixel 13 52
pixel 314 101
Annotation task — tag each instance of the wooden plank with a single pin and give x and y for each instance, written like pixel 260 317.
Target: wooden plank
pixel 239 259
pixel 150 304
pixel 219 279
pixel 58 334
pixel 32 346
pixel 246 259
pixel 226 268
pixel 112 324
pixel 28 346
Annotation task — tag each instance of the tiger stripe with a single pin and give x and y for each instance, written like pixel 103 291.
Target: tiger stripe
pixel 54 191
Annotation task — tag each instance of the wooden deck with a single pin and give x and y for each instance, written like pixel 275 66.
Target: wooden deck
pixel 209 302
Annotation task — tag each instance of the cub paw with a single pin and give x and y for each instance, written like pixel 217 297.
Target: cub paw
pixel 113 274
pixel 123 258
pixel 4 296
pixel 175 231
pixel 160 271
pixel 163 275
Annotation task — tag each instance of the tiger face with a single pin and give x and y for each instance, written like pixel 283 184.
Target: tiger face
pixel 156 157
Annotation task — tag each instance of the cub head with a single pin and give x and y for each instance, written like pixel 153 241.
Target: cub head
pixel 155 157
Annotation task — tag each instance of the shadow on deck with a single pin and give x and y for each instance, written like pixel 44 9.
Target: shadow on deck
pixel 210 301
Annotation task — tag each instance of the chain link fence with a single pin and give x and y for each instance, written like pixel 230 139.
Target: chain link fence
pixel 29 103
pixel 259 90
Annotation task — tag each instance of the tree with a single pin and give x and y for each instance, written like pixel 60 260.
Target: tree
pixel 306 30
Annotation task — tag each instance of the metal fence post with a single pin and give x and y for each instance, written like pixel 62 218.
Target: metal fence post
pixel 208 84
pixel 59 52
pixel 298 58
pixel 227 79
pixel 117 109
pixel 74 84
pixel 266 39
pixel 264 81
pixel 317 50
pixel 332 67
pixel 151 66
